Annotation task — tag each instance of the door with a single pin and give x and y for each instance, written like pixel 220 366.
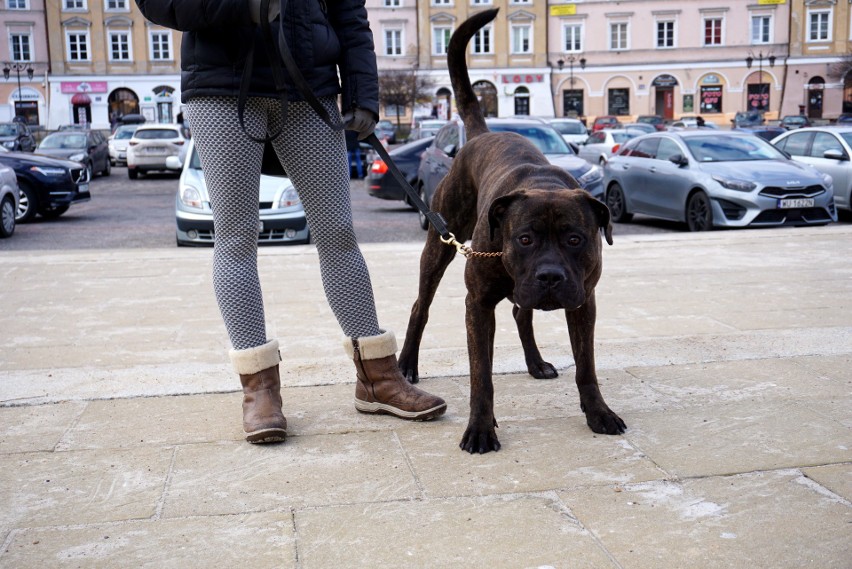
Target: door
pixel 638 175
pixel 664 102
pixel 668 183
pixel 837 169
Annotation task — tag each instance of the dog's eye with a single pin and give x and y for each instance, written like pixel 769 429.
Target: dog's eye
pixel 575 240
pixel 525 240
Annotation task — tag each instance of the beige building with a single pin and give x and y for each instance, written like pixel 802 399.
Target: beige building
pixel 23 91
pixel 106 60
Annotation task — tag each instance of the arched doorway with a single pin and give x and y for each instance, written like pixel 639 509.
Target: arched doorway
pixel 664 96
pixel 815 95
pixel 757 91
pixel 710 94
pixel 164 99
pixel 122 101
pixel 486 92
pixel 522 101
pixel 443 106
pixel 82 104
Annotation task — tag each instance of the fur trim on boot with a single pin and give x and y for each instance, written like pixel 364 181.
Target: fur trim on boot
pixel 252 360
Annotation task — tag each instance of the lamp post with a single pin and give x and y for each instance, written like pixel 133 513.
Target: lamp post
pixel 760 57
pixel 17 67
pixel 571 59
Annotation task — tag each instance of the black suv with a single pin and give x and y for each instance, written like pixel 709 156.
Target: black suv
pixel 16 135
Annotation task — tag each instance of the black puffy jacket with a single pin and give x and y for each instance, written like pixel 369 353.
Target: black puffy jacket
pixel 323 36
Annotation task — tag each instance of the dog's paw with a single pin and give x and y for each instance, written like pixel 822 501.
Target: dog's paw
pixel 542 370
pixel 410 374
pixel 604 421
pixel 480 440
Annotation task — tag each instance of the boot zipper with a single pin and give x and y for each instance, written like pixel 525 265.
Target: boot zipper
pixel 356 349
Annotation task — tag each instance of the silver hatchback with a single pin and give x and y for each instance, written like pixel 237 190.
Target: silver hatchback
pixel 715 179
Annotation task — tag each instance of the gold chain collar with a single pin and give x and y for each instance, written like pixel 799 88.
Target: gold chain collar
pixel 466 251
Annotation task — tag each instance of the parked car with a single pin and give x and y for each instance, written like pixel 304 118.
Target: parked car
pixel 382 184
pixel 151 145
pixel 658 122
pixel 691 121
pixel 572 130
pixel 88 147
pixel 747 118
pixel 9 196
pixel 386 129
pixel 282 217
pixel 715 179
pixel 829 150
pixel 118 142
pixel 16 136
pixel 641 127
pixel 792 122
pixel 438 157
pixel 605 121
pixel 845 118
pixel 766 132
pixel 46 186
pixel 604 143
pixel 427 128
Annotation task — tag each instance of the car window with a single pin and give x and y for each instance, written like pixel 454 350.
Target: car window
pixel 156 133
pixel 667 149
pixel 824 141
pixel 124 133
pixel 447 136
pixel 620 137
pixel 569 127
pixel 8 130
pixel 847 137
pixel 546 139
pixel 646 148
pixel 64 141
pixel 731 149
pixel 797 144
pixel 597 138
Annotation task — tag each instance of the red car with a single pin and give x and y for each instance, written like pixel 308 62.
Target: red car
pixel 605 121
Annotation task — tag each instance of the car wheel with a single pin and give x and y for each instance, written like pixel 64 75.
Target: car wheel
pixel 53 212
pixel 617 205
pixel 91 170
pixel 132 173
pixel 699 213
pixel 107 169
pixel 27 204
pixel 424 221
pixel 7 217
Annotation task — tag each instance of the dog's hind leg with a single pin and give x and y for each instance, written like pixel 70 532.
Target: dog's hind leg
pixel 536 366
pixel 434 260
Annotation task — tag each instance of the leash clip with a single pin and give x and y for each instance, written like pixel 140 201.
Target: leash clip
pixel 461 248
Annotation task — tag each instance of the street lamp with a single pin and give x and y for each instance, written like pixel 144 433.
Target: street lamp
pixel 17 67
pixel 760 57
pixel 571 59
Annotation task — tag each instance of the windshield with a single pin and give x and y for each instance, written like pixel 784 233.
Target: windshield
pixel 650 120
pixel 156 133
pixel 64 141
pixel 621 137
pixel 8 130
pixel 795 120
pixel 731 149
pixel 124 133
pixel 569 127
pixel 546 139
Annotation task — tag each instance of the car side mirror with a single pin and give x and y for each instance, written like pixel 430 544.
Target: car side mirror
pixel 835 154
pixel 450 150
pixel 679 160
pixel 173 163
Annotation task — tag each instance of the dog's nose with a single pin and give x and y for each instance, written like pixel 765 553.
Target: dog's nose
pixel 550 277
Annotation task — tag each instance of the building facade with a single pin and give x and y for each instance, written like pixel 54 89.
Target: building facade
pixel 24 54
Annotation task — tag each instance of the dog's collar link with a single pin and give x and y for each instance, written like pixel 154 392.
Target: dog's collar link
pixel 464 250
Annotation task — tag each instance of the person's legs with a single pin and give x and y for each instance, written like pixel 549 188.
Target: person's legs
pixel 359 166
pixel 231 163
pixel 315 157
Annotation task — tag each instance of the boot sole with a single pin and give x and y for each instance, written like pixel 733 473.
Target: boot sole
pixel 383 409
pixel 266 436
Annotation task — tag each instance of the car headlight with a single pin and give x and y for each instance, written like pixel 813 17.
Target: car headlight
pixel 48 170
pixel 827 181
pixel 9 144
pixel 191 197
pixel 77 157
pixel 733 184
pixel 593 176
pixel 289 198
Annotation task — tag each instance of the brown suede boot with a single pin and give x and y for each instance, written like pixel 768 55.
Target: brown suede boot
pixel 381 387
pixel 263 421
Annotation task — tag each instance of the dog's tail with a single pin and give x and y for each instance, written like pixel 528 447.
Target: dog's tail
pixel 468 104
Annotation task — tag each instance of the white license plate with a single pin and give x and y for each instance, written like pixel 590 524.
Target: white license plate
pixel 156 150
pixel 122 154
pixel 795 203
pixel 82 188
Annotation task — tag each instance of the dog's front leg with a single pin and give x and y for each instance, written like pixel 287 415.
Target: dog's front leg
pixel 536 366
pixel 480 435
pixel 581 327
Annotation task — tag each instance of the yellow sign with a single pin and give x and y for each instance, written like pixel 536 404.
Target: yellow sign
pixel 566 10
pixel 770 2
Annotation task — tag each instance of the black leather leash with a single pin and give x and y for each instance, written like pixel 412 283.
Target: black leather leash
pixel 301 84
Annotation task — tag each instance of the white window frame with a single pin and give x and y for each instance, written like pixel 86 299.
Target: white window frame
pixel 755 40
pixel 665 21
pixel 110 54
pixel 479 37
pixel 481 2
pixel 581 33
pixel 75 5
pixel 18 4
pixel 610 26
pixel 399 36
pixel 721 20
pixel 160 33
pixel 518 29
pixel 120 6
pixel 29 42
pixel 445 32
pixel 87 44
pixel 821 12
pixel 442 2
pixel 392 3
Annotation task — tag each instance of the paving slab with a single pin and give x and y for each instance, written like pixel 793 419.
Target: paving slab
pixel 836 478
pixel 266 540
pixel 772 519
pixel 35 428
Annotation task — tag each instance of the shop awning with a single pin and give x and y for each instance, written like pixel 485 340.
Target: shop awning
pixel 81 99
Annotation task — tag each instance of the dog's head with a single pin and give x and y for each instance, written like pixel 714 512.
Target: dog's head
pixel 551 245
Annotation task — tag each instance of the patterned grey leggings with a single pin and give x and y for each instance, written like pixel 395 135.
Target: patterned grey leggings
pixel 315 158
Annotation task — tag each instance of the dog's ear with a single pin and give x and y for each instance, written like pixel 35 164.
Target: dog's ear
pixel 604 219
pixel 497 211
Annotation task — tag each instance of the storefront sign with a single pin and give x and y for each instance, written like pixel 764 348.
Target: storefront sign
pixel 564 10
pixel 522 78
pixel 770 2
pixel 710 80
pixel 664 81
pixel 26 94
pixel 711 99
pixel 71 87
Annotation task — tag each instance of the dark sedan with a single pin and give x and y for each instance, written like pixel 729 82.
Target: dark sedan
pixel 382 184
pixel 89 147
pixel 439 155
pixel 48 186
